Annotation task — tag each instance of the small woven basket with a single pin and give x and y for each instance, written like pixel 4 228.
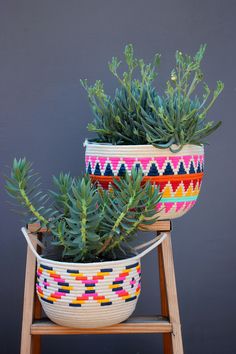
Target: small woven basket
pixel 179 175
pixel 89 295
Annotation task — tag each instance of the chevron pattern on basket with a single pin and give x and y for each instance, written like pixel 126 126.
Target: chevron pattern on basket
pixel 78 288
pixel 178 177
pixel 155 166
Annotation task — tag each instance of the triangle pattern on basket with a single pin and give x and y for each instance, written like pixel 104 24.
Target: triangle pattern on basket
pixel 155 166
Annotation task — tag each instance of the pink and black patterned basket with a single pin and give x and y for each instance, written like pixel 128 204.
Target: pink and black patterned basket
pixel 89 295
pixel 179 175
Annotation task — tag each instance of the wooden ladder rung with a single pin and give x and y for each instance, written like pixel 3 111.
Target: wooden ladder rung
pixel 160 225
pixel 147 324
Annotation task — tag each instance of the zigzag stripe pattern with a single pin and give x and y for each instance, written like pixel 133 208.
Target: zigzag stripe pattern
pixel 187 189
pixel 178 177
pixel 177 208
pixel 155 166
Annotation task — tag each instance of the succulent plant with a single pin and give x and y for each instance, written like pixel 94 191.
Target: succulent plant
pixel 87 222
pixel 23 185
pixel 138 114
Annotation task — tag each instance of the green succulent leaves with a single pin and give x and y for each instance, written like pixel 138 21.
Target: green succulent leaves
pixel 126 205
pixel 24 186
pixel 88 223
pixel 138 114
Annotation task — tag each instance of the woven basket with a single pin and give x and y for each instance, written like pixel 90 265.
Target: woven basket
pixel 179 175
pixel 89 295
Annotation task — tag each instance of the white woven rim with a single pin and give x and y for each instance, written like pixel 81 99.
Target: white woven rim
pixel 109 150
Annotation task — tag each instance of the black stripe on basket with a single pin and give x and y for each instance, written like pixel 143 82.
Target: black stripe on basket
pixel 117 289
pixel 63 284
pixel 46 300
pixel 72 271
pixel 88 285
pixel 106 270
pixel 118 282
pixel 106 303
pixel 75 305
pixel 132 265
pixel 90 291
pixel 46 267
pixel 131 299
pixel 64 291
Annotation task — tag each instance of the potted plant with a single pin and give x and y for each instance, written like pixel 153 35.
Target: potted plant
pixel 164 134
pixel 95 278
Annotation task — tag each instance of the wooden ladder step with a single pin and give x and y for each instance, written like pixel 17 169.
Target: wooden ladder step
pixel 147 324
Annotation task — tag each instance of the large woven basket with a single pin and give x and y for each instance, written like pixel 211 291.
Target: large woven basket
pixel 89 295
pixel 179 175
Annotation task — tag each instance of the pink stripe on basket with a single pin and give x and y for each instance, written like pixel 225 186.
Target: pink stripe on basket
pixel 121 292
pixel 187 160
pixel 58 293
pixel 115 162
pixel 93 161
pixel 160 161
pixel 144 161
pixel 175 161
pixel 46 283
pixel 201 158
pixel 179 205
pixel 89 281
pixel 129 161
pixel 120 278
pixel 102 161
pixel 168 206
pixel 60 280
pixel 57 279
pixel 196 158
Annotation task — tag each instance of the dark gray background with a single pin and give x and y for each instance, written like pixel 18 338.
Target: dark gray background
pixel 45 48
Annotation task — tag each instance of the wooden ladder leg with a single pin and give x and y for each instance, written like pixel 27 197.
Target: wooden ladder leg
pixel 36 339
pixel 28 343
pixel 167 343
pixel 170 300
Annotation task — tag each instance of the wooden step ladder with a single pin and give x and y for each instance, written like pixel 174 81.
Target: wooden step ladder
pixel 168 323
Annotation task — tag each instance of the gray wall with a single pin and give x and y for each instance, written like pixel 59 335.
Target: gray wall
pixel 45 48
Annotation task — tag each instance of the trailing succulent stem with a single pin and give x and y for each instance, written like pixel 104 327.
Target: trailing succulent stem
pixel 138 114
pixel 87 223
pixel 23 185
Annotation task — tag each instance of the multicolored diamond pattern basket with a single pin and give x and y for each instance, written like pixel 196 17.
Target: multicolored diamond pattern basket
pixel 89 295
pixel 90 289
